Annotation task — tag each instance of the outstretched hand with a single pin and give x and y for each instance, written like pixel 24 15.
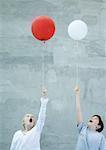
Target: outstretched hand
pixel 77 89
pixel 44 98
pixel 44 93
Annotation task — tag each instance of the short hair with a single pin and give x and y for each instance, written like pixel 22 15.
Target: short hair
pixel 23 120
pixel 100 123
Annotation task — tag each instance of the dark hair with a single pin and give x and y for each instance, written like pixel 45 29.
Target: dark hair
pixel 100 123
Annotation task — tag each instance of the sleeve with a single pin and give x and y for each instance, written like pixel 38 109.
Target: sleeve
pixel 81 126
pixel 103 144
pixel 42 115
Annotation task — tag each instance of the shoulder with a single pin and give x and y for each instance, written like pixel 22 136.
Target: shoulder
pixel 103 141
pixel 81 126
pixel 17 133
pixel 101 136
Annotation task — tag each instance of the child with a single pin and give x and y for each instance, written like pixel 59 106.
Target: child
pixel 90 136
pixel 29 137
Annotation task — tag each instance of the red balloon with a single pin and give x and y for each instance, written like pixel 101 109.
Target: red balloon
pixel 43 28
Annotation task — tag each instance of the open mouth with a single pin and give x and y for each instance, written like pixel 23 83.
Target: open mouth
pixel 30 120
pixel 90 121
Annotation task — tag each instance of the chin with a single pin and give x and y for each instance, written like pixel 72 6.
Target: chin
pixel 32 126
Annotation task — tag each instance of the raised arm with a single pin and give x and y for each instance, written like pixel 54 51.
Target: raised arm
pixel 78 106
pixel 42 113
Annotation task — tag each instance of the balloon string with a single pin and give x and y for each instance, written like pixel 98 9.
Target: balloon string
pixel 77 73
pixel 43 66
pixel 77 66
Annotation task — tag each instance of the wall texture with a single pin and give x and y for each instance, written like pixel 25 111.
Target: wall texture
pixel 21 63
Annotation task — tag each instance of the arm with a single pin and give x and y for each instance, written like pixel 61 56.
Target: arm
pixel 42 113
pixel 13 143
pixel 78 106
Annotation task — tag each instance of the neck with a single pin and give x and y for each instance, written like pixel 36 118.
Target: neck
pixel 92 128
pixel 26 130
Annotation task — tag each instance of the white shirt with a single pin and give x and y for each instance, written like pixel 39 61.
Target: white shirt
pixel 31 140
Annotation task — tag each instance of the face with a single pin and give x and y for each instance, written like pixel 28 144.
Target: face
pixel 93 123
pixel 29 122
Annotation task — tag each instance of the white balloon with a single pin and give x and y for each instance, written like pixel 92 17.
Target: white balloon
pixel 77 30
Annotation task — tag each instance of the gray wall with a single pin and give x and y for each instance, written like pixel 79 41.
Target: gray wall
pixel 21 62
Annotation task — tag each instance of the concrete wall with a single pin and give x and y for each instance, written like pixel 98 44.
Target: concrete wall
pixel 21 63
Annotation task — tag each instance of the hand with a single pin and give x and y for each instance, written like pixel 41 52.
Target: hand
pixel 44 98
pixel 44 93
pixel 77 89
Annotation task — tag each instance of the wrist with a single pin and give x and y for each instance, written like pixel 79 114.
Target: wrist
pixel 44 100
pixel 77 93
